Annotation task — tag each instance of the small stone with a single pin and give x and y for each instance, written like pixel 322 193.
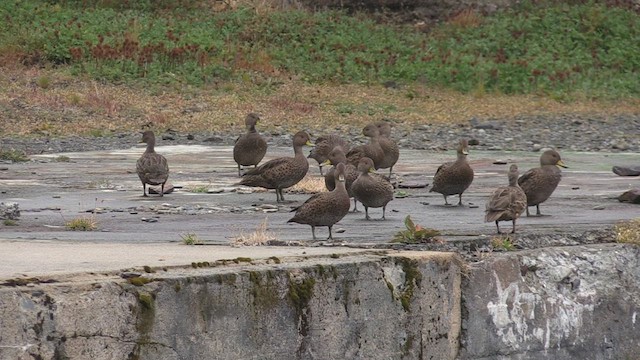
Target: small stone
pixel 474 142
pixel 536 147
pixel 190 137
pixel 56 196
pixel 149 220
pixel 598 207
pixel 499 162
pixel 339 231
pixel 473 206
pixel 575 188
pixel 169 137
pixel 632 196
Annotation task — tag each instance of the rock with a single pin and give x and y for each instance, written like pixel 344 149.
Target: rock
pixel 9 210
pixel 536 147
pixel 626 171
pixel 632 196
pixel 474 142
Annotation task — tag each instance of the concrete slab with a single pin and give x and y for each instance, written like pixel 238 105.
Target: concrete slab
pixel 50 193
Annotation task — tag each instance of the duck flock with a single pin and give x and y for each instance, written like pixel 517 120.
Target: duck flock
pixel 352 175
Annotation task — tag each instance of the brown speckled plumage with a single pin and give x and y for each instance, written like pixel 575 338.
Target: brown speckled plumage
pixel 372 149
pixel 327 208
pixel 507 202
pixel 337 156
pixel 539 183
pixel 453 178
pixel 251 147
pixel 389 147
pixel 371 191
pixel 281 173
pixel 152 168
pixel 324 145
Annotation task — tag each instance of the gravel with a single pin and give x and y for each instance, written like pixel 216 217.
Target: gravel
pixel 531 133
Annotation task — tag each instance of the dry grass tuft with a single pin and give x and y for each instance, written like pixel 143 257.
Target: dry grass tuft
pixel 309 185
pixel 83 223
pixel 261 236
pixel 190 239
pixel 628 232
pixel 467 18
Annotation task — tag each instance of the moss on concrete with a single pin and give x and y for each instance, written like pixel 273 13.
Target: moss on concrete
pixel 412 278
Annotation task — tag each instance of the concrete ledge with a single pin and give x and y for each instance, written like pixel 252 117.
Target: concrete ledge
pixel 576 302
pixel 368 306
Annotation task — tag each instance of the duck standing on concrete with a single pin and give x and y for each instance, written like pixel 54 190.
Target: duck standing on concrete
pixel 453 178
pixel 250 148
pixel 539 183
pixel 324 145
pixel 507 202
pixel 281 173
pixel 326 208
pixel 337 156
pixel 371 191
pixel 389 147
pixel 152 168
pixel 372 149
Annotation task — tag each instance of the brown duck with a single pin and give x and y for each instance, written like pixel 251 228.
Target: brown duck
pixel 281 173
pixel 251 147
pixel 507 202
pixel 337 156
pixel 327 208
pixel 539 183
pixel 152 168
pixel 371 191
pixel 389 147
pixel 454 177
pixel 372 149
pixel 324 145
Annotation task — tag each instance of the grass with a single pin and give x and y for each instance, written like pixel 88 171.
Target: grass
pixel 199 189
pixel 261 236
pixel 502 243
pixel 9 222
pixel 13 155
pixel 79 75
pixel 83 223
pixel 190 239
pixel 310 184
pixel 62 158
pixel 628 232
pixel 556 49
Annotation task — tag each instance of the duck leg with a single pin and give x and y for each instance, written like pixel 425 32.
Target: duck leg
pixel 498 227
pixel 384 209
pixel 460 200
pixel 330 236
pixel 355 206
pixel 366 213
pixel 144 189
pixel 538 213
pixel 513 226
pixel 527 210
pixel 239 172
pixel 320 167
pixel 313 232
pixel 162 189
pixel 445 200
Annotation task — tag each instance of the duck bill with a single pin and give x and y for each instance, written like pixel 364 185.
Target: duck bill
pixel 309 143
pixel 561 164
pixel 326 163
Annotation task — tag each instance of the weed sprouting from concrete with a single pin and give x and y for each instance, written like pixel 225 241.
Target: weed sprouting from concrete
pixel 9 222
pixel 13 155
pixel 83 223
pixel 62 158
pixel 628 232
pixel 139 281
pixel 190 239
pixel 261 236
pixel 502 243
pixel 415 233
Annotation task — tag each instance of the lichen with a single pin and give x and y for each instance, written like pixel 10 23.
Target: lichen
pixel 148 269
pixel 300 295
pixel 264 292
pixel 139 281
pixel 241 259
pixel 275 259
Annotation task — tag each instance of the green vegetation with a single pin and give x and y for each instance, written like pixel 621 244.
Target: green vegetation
pixel 415 233
pixel 62 158
pixel 83 223
pixel 13 155
pixel 560 50
pixel 9 222
pixel 502 243
pixel 191 239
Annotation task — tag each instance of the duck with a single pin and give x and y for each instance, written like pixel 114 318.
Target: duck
pixel 325 208
pixel 336 157
pixel 152 168
pixel 371 191
pixel 281 173
pixel 372 149
pixel 453 178
pixel 389 147
pixel 507 202
pixel 249 148
pixel 324 145
pixel 539 183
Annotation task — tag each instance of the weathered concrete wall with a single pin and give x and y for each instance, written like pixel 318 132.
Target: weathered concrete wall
pixel 557 303
pixel 364 307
